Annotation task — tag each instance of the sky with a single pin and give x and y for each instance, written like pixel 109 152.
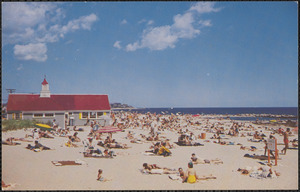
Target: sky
pixel 155 54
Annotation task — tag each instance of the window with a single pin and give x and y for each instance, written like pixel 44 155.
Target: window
pixel 38 115
pixel 49 115
pixel 93 115
pixel 70 113
pixel 85 115
pixel 99 114
pixel 18 116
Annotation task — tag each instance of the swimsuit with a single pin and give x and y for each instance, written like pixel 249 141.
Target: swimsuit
pixel 191 179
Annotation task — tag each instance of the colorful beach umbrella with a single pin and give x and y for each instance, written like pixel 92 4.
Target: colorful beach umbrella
pixel 43 126
pixel 108 129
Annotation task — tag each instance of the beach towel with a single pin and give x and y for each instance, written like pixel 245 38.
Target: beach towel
pixel 149 154
pixel 207 177
pixel 63 163
pixel 260 157
pixel 174 177
pixel 293 148
pixel 196 144
pixel 94 155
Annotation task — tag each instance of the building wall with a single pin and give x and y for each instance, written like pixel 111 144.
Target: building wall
pixel 75 118
pixel 103 120
pixel 59 118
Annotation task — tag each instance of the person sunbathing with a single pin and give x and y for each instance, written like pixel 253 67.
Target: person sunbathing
pixel 45 135
pixel 197 160
pixel 182 175
pixel 251 148
pixel 100 177
pixel 75 138
pixel 108 153
pixel 70 142
pixel 155 166
pixel 21 139
pixel 155 147
pixel 37 145
pixel 150 166
pixel 135 140
pixel 116 145
pixel 168 144
pixel 77 129
pixel 107 140
pixel 182 139
pixel 9 141
pixel 129 135
pixel 160 171
pixel 164 151
pixel 257 136
pixel 295 143
pixel 191 174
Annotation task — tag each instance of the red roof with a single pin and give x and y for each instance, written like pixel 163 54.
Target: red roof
pixel 33 102
pixel 44 82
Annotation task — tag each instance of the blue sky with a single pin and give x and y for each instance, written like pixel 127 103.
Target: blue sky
pixel 155 54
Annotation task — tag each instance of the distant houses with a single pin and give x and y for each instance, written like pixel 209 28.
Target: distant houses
pixel 67 110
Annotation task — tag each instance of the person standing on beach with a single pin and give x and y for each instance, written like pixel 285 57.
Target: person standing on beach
pixel 286 140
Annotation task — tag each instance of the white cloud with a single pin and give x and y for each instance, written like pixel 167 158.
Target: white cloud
pixel 20 15
pixel 124 21
pixel 150 22
pixel 142 21
pixel 33 23
pixel 36 52
pixel 117 45
pixel 163 37
pixel 132 47
pixel 183 27
pixel 20 67
pixel 83 22
pixel 204 7
pixel 159 38
pixel 206 23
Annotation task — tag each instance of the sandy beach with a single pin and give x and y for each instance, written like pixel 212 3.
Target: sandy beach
pixel 28 170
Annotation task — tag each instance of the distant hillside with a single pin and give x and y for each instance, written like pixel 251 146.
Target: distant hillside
pixel 120 105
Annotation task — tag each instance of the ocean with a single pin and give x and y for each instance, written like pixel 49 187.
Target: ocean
pixel 226 111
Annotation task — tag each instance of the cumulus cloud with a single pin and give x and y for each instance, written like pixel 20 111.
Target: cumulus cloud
pixel 29 24
pixel 183 27
pixel 117 45
pixel 157 38
pixel 36 52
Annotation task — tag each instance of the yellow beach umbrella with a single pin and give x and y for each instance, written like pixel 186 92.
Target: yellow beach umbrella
pixel 43 126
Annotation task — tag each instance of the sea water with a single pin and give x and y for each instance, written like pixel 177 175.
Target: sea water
pixel 226 111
